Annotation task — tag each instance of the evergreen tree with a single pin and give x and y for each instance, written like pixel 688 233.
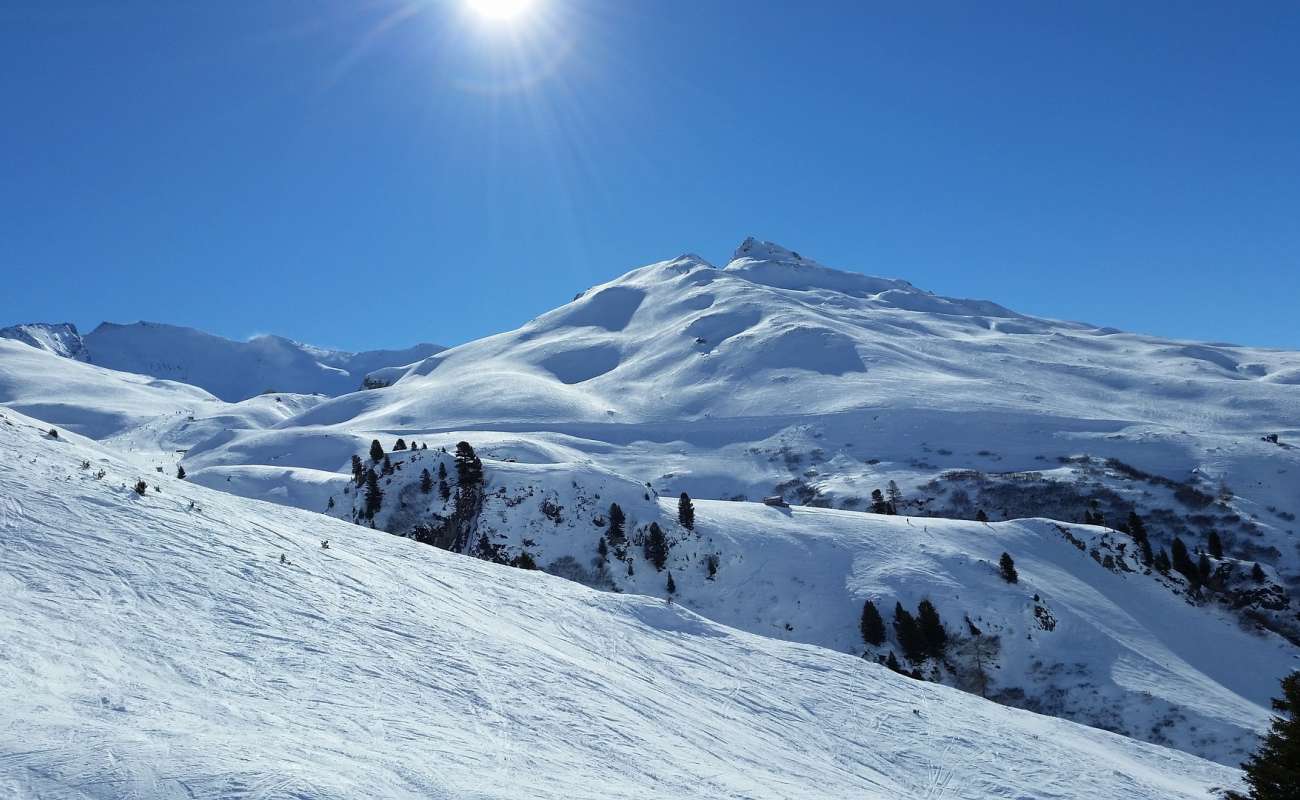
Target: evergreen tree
pixel 656 546
pixel 980 516
pixel 388 466
pixel 602 549
pixel 424 445
pixel 140 488
pixel 878 504
pixel 444 491
pixel 871 625
pixel 1273 771
pixel 358 470
pixel 1204 569
pixel 374 494
pixel 1182 562
pixel 1215 545
pixel 892 663
pixel 469 469
pixel 1162 563
pixel 672 587
pixel 711 564
pixel 180 472
pixel 1007 566
pixel 686 512
pixel 1257 573
pixel 895 497
pixel 400 445
pixel 1136 527
pixel 376 451
pixel 908 634
pixel 931 628
pixel 426 482
pixel 616 535
pixel 1144 550
pixel 525 560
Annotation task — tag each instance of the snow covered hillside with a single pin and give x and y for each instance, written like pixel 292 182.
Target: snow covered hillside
pixel 239 370
pixel 157 645
pixel 1087 633
pixel 61 339
pixel 1146 487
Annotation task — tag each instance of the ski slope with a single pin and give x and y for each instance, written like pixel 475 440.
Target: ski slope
pixel 155 646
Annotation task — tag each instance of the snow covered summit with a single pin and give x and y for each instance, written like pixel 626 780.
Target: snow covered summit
pixel 61 339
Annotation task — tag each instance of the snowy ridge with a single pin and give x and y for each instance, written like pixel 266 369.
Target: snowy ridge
pixel 1117 647
pixel 238 370
pixel 776 375
pixel 206 667
pixel 61 339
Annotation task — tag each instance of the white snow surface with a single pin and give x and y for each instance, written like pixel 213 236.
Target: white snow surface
pixel 234 370
pixel 61 339
pixel 154 646
pixel 776 374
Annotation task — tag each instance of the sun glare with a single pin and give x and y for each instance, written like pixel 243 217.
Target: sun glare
pixel 500 11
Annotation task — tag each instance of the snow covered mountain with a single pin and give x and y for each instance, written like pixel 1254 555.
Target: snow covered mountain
pixel 236 371
pixel 61 339
pixel 776 375
pixel 181 642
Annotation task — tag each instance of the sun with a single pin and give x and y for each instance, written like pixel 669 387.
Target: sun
pixel 500 11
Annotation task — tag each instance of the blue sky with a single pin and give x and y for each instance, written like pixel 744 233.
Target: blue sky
pixel 366 174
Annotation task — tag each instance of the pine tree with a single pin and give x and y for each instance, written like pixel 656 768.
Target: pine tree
pixel 656 546
pixel 871 625
pixel 426 482
pixel 1182 562
pixel 878 504
pixel 1215 545
pixel 399 445
pixel 424 445
pixel 1273 771
pixel 908 634
pixel 1162 563
pixel 686 512
pixel 374 494
pixel 469 469
pixel 388 466
pixel 672 587
pixel 1257 573
pixel 376 451
pixel 602 549
pixel 1136 527
pixel 1204 569
pixel 1144 549
pixel 180 472
pixel 1007 566
pixel 444 491
pixel 895 497
pixel 980 516
pixel 140 488
pixel 525 560
pixel 616 535
pixel 892 663
pixel 358 470
pixel 931 628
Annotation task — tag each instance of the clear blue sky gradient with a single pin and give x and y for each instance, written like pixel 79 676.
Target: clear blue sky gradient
pixel 367 174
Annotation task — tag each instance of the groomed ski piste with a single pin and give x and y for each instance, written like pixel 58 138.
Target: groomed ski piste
pixel 155 646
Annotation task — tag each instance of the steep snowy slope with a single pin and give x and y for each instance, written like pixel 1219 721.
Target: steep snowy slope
pixel 1087 633
pixel 778 375
pixel 90 400
pixel 156 645
pixel 238 370
pixel 61 339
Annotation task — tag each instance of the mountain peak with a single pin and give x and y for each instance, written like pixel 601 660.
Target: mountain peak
pixel 60 338
pixel 760 250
